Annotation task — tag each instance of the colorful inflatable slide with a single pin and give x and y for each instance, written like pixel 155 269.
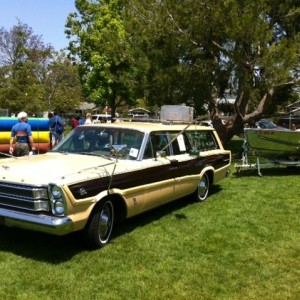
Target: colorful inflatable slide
pixel 40 132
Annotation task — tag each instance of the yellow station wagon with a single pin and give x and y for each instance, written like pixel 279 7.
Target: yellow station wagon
pixel 107 172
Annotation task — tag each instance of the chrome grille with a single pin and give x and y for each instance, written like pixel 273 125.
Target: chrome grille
pixel 18 196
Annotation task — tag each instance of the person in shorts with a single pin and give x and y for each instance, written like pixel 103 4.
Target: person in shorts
pixel 53 122
pixel 21 132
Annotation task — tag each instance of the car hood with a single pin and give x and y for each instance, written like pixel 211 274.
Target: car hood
pixel 53 167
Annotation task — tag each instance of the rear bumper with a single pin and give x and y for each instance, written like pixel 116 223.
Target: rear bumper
pixel 43 223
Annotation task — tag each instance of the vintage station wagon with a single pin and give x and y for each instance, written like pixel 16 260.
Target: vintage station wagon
pixel 103 173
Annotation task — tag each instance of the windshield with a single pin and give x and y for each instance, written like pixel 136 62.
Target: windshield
pixel 111 142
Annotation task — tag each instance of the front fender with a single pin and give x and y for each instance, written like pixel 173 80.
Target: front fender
pixel 211 171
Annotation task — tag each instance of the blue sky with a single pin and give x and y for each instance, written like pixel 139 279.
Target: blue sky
pixel 46 17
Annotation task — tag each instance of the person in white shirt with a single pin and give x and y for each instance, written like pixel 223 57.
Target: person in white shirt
pixel 88 119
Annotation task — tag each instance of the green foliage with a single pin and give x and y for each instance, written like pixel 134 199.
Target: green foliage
pixel 188 52
pixel 62 85
pixel 102 52
pixel 23 57
pixel 197 51
pixel 32 77
pixel 176 72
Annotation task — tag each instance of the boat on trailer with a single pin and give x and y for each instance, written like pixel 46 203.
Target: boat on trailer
pixel 280 146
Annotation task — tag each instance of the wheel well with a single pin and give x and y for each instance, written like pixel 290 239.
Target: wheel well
pixel 119 206
pixel 210 174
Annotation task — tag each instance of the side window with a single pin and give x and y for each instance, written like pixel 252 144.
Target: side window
pixel 159 140
pixel 202 140
pixel 148 150
pixel 180 144
pixel 156 142
pixel 133 141
pixel 127 142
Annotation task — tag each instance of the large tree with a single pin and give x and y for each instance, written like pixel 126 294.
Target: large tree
pixel 62 84
pixel 199 49
pixel 33 77
pixel 101 48
pixel 23 57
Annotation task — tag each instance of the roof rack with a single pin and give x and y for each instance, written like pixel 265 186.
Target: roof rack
pixel 177 113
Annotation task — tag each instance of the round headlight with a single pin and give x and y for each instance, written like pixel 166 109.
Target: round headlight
pixel 59 208
pixel 56 192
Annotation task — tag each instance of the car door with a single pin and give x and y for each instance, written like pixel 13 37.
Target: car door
pixel 187 168
pixel 159 178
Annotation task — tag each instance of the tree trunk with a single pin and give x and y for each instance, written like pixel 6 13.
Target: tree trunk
pixel 235 125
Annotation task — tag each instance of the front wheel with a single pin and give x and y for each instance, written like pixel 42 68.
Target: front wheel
pixel 202 188
pixel 99 228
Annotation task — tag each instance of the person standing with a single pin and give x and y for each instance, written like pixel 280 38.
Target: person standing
pixel 57 128
pixel 52 137
pixel 23 135
pixel 88 119
pixel 74 122
pixel 80 120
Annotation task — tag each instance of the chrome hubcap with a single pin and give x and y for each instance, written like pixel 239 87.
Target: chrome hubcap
pixel 105 224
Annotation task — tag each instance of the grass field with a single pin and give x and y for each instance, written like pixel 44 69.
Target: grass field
pixel 242 243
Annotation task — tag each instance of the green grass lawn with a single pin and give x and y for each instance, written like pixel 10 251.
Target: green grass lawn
pixel 242 243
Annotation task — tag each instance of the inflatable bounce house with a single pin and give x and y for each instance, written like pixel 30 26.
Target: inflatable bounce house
pixel 40 132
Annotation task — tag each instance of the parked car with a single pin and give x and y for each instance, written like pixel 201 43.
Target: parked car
pixel 207 123
pixel 101 118
pixel 267 124
pixel 103 173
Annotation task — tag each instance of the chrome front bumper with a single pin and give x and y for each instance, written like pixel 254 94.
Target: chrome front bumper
pixel 43 223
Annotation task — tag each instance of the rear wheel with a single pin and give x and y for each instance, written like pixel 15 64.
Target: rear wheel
pixel 202 188
pixel 99 228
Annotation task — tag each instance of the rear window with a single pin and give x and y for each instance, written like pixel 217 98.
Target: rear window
pixel 180 143
pixel 202 140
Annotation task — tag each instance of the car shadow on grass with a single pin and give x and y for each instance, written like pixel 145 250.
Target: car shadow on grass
pixel 156 214
pixel 38 245
pixel 59 249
